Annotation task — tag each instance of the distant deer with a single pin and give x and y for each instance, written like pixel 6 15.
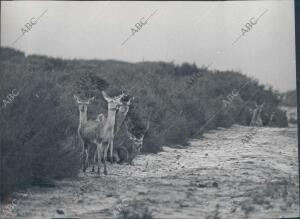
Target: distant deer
pixel 86 130
pixel 271 118
pixel 256 117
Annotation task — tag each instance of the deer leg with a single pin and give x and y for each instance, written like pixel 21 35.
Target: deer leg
pixel 104 159
pixel 83 162
pixel 127 154
pixel 83 153
pixel 117 157
pixel 95 160
pixel 111 151
pixel 99 152
pixel 123 156
pixel 87 158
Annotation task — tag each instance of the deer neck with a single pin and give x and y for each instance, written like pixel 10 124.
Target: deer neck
pixel 259 112
pixel 110 122
pixel 254 114
pixel 122 113
pixel 82 118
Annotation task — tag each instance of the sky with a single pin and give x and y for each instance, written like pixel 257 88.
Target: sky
pixel 203 33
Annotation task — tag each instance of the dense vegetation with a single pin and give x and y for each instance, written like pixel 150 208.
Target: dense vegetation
pixel 38 128
pixel 289 98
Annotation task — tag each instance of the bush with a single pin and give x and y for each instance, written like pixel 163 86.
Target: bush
pixel 289 98
pixel 36 139
pixel 135 211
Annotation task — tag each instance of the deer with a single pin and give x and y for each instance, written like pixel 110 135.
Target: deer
pixel 256 117
pixel 122 113
pixel 102 119
pixel 120 117
pixel 86 129
pixel 136 145
pixel 105 137
pixel 101 131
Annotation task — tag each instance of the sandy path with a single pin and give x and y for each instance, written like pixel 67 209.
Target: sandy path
pixel 217 176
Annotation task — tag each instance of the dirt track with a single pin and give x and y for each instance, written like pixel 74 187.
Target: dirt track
pixel 216 177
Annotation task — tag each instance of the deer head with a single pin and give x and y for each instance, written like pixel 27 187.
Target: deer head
pixel 122 112
pixel 257 107
pixel 124 107
pixel 101 118
pixel 83 103
pixel 138 142
pixel 113 102
pixel 261 106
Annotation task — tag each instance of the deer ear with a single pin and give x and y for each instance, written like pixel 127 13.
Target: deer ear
pixel 121 95
pixel 91 99
pixel 105 96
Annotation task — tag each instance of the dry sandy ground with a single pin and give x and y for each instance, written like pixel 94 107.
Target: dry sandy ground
pixel 218 176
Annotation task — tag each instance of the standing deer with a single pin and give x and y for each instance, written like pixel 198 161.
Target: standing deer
pixel 120 117
pixel 102 119
pixel 99 132
pixel 256 117
pixel 122 113
pixel 105 137
pixel 86 130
